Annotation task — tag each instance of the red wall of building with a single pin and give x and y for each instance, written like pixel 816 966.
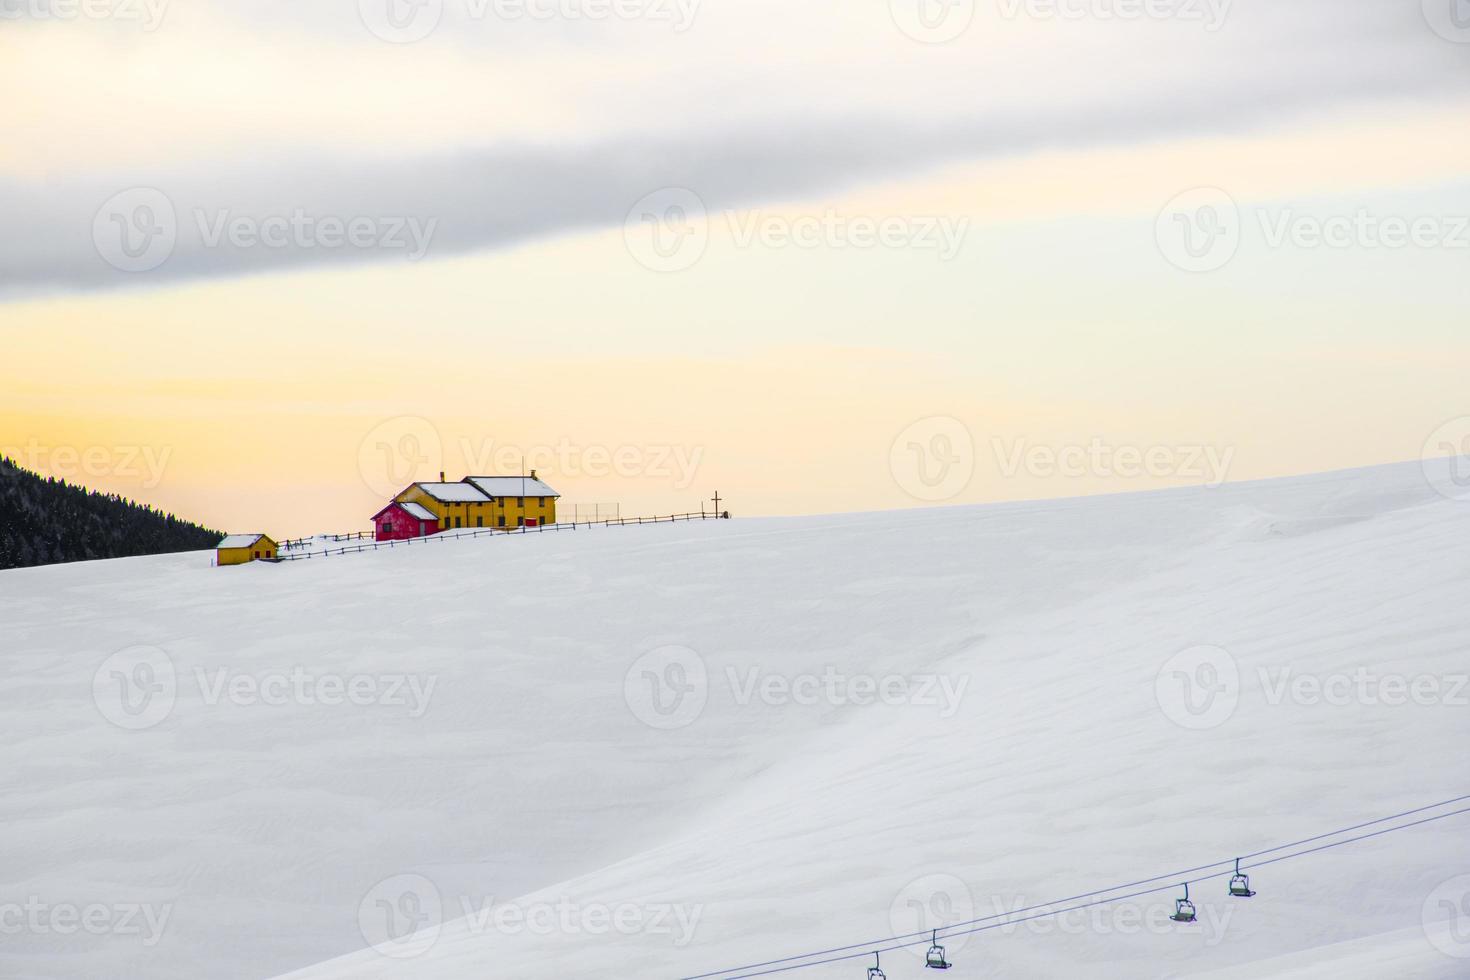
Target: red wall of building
pixel 397 524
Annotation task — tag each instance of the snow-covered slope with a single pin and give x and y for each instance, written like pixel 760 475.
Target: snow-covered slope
pixel 636 751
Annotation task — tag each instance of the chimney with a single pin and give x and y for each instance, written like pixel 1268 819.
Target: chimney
pixel 533 474
pixel 441 477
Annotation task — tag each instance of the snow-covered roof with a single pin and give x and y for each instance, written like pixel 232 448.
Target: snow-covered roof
pixel 453 493
pixel 240 540
pixel 512 486
pixel 418 510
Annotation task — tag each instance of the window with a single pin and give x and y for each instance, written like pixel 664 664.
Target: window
pixel 459 522
pixel 255 554
pixel 387 527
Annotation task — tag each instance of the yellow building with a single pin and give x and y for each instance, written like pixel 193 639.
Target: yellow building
pixel 486 501
pixel 237 549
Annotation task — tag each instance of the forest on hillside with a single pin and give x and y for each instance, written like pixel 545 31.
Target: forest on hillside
pixel 44 521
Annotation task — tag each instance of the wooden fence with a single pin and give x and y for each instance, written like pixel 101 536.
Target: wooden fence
pixel 456 534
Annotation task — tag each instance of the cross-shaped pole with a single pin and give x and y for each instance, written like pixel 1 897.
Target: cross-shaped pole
pixel 717 503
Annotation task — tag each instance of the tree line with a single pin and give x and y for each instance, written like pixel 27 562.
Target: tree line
pixel 45 521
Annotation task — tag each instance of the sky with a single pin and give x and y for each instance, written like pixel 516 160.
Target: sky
pixel 268 263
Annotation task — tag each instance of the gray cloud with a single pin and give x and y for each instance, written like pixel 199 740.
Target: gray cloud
pixel 1279 70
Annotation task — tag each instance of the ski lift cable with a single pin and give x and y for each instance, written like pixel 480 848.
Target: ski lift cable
pixel 1172 876
pixel 733 973
pixel 967 932
pixel 1346 830
pixel 1352 840
pixel 1085 905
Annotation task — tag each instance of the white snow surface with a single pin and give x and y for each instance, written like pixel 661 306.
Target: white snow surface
pixel 525 777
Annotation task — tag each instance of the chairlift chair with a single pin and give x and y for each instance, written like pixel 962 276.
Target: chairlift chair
pixel 934 959
pixel 1183 907
pixel 875 972
pixel 1240 883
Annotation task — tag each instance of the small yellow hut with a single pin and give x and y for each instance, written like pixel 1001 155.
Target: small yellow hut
pixel 237 549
